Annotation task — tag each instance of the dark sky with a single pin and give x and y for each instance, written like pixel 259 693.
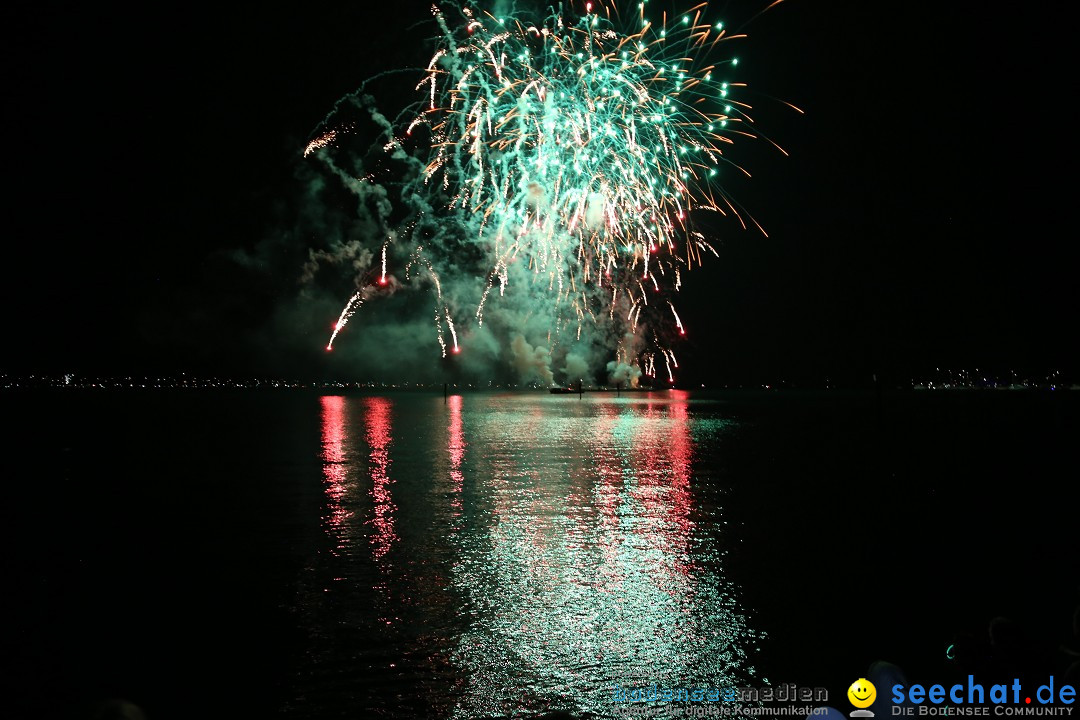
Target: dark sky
pixel 921 220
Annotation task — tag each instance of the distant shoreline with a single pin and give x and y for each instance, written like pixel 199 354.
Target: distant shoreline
pixel 49 382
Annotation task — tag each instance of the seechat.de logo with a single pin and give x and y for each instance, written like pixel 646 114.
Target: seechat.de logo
pixel 965 698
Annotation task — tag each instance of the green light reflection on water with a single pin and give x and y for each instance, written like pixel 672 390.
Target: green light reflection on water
pixel 583 569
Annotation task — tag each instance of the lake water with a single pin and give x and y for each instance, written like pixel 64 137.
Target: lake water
pixel 302 554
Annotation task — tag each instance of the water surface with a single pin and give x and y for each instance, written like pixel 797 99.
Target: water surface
pixel 314 555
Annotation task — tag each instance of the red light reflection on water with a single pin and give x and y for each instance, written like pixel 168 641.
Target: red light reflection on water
pixel 335 469
pixel 455 446
pixel 673 457
pixel 379 435
pixel 643 459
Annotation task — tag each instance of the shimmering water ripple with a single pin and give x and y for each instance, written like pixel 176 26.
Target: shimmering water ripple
pixel 499 555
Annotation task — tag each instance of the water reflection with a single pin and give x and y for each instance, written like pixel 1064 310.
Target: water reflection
pixel 455 446
pixel 335 470
pixel 527 554
pixel 378 432
pixel 586 573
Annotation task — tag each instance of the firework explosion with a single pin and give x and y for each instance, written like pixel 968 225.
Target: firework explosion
pixel 561 161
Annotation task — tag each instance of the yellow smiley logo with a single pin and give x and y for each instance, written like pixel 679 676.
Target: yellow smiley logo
pixel 862 693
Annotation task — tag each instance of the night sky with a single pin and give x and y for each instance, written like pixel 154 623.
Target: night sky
pixel 923 219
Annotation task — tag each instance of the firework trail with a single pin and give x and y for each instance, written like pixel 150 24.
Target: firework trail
pixel 563 159
pixel 347 312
